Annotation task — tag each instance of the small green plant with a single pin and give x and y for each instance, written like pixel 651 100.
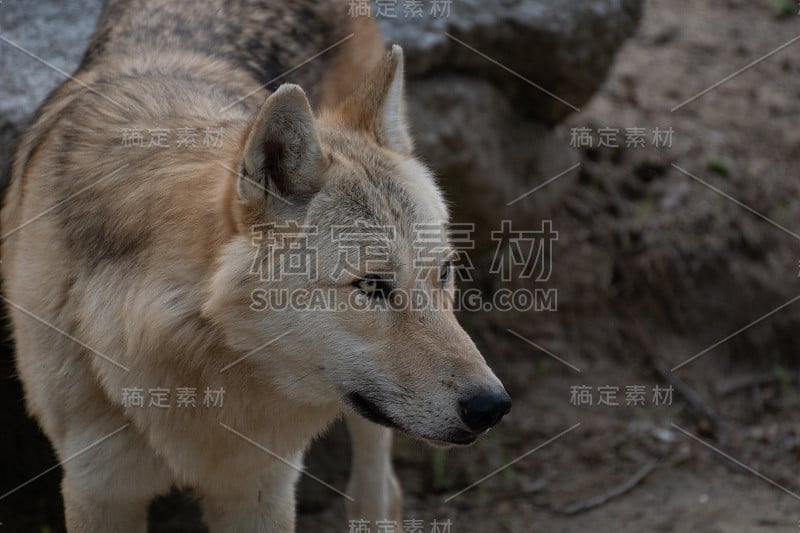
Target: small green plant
pixel 784 377
pixel 510 473
pixel 781 211
pixel 626 241
pixel 595 183
pixel 645 208
pixel 439 462
pixel 785 8
pixel 720 165
pixel 543 366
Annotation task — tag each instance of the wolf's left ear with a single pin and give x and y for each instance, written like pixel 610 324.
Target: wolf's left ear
pixel 282 152
pixel 379 104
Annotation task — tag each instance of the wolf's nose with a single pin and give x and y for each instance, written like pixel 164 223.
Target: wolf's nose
pixel 485 409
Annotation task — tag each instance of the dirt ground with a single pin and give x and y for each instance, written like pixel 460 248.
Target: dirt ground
pixel 652 267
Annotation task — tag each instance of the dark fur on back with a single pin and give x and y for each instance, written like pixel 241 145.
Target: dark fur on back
pixel 265 37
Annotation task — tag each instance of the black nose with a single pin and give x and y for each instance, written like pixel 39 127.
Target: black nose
pixel 485 409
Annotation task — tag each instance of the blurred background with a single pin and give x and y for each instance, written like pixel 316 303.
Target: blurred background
pixel 655 377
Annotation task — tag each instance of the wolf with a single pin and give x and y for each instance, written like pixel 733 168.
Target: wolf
pixel 131 267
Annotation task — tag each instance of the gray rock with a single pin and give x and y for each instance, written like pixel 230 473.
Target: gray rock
pixel 485 154
pixel 565 47
pixel 55 31
pixel 40 44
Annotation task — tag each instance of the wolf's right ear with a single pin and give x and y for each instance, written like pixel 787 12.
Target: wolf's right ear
pixel 282 153
pixel 378 105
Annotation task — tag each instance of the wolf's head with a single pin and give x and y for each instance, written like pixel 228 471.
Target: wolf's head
pixel 339 282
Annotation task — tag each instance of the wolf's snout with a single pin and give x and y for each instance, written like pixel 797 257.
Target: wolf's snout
pixel 485 409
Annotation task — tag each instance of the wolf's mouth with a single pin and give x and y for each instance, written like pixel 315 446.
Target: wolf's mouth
pixel 369 410
pixel 461 438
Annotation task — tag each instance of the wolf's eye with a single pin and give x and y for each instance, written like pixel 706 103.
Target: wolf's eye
pixel 374 286
pixel 444 277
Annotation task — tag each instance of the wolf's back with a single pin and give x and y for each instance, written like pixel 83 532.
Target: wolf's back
pixel 268 38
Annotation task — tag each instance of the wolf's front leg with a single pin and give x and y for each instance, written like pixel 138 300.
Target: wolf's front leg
pixel 110 477
pixel 373 486
pixel 265 504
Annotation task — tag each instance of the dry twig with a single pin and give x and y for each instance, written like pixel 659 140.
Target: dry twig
pixel 581 506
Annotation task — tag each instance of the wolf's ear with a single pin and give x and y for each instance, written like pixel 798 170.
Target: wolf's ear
pixel 282 152
pixel 379 104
